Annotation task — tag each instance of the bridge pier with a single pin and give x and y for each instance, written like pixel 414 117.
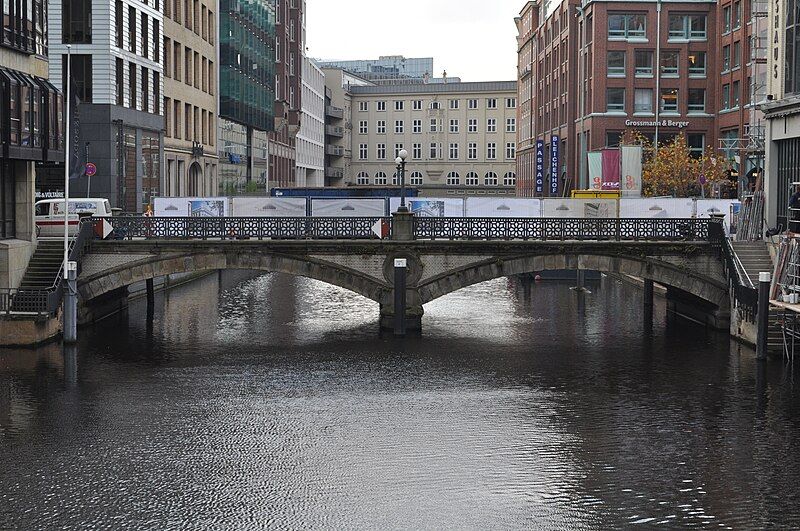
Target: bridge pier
pixel 413 317
pixel 648 303
pixel 691 307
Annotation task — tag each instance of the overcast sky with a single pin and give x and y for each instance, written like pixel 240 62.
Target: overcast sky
pixel 472 39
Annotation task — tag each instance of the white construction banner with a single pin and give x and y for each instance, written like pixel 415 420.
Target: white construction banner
pixel 631 185
pixel 595 170
pixel 431 207
pixel 579 208
pixel 499 207
pixel 348 208
pixel 708 207
pixel 183 207
pixel 269 207
pixel 654 207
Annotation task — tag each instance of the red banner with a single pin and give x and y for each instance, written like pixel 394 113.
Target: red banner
pixel 611 169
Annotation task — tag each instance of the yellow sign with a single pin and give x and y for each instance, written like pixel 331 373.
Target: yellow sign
pixel 595 194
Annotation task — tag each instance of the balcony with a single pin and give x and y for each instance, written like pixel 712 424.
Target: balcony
pixel 334 130
pixel 334 112
pixel 334 173
pixel 336 151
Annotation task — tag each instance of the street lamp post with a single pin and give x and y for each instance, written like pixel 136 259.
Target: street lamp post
pixel 401 172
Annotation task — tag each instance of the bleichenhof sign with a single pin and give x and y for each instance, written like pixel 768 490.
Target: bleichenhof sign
pixel 654 123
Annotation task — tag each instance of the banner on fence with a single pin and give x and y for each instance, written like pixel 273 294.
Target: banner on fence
pixel 631 185
pixel 269 207
pixel 610 169
pixel 647 207
pixel 431 207
pixel 498 207
pixel 709 207
pixel 348 208
pixel 181 207
pixel 595 170
pixel 579 208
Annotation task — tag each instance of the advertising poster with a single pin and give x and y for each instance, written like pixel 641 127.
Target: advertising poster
pixel 611 169
pixel 595 170
pixel 269 207
pixel 181 207
pixel 708 207
pixel 539 166
pixel 647 207
pixel 431 207
pixel 631 171
pixel 348 208
pixel 555 173
pixel 495 207
pixel 579 208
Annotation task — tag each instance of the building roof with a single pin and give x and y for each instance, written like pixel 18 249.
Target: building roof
pixel 438 88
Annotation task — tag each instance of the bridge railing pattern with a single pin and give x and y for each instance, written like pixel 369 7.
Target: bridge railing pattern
pixel 562 229
pixel 192 228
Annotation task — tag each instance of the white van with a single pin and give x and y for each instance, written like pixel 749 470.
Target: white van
pixel 50 215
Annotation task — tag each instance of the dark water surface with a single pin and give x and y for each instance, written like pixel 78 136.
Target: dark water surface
pixel 275 403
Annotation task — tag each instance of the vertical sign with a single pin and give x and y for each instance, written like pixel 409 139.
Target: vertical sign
pixel 539 166
pixel 554 166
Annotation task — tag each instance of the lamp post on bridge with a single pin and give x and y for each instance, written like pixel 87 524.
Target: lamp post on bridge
pixel 401 173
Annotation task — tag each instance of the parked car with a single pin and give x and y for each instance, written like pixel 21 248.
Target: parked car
pixel 50 215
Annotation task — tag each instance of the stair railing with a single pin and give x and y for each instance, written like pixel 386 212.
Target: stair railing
pixel 744 293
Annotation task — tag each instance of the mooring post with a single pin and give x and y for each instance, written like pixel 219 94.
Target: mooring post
pixel 648 302
pixel 580 278
pixel 400 265
pixel 764 280
pixel 71 303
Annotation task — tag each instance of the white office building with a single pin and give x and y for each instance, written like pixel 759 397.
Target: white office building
pixel 310 146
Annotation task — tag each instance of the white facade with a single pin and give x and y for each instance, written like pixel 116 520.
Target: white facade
pixel 310 146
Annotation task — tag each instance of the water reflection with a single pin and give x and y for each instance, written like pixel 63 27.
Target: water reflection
pixel 275 402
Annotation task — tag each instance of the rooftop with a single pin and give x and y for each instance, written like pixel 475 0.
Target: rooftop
pixel 439 88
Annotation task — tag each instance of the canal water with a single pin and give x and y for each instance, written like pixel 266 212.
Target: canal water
pixel 274 402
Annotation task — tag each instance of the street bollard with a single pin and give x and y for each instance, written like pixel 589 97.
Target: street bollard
pixel 764 280
pixel 71 303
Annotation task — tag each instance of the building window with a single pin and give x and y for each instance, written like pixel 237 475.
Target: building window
pixel 669 63
pixel 737 15
pixel 511 150
pixel 472 151
pixel 397 149
pixel 453 151
pixel 363 129
pixel 643 63
pixel 132 99
pixel 380 152
pixel 643 101
pixel 435 106
pixel 81 75
pixel 380 178
pixel 177 127
pixel 472 104
pixel 735 94
pixel 472 125
pixel 726 19
pixel 416 178
pixel 511 125
pixel 453 179
pixel 511 103
pixel 156 41
pixel 119 23
pixel 697 100
pixel 491 103
pixel 145 37
pixel 434 125
pixel 726 58
pixel 132 29
pixel 491 125
pixel 697 64
pixel 362 179
pixel 454 126
pixel 381 127
pixel 416 127
pixel 120 82
pixel 434 152
pixel 453 105
pixel 491 151
pixel 363 106
pixel 417 105
pixel 726 97
pixel 510 179
pixel 615 64
pixel 399 105
pixel 627 26
pixel 669 100
pixel 737 54
pixel 145 90
pixel 490 179
pixel 696 143
pixel 76 24
pixel 156 93
pixel 416 151
pixel 687 27
pixel 615 100
pixel 381 106
pixel 363 152
pixel 471 179
pixel 398 127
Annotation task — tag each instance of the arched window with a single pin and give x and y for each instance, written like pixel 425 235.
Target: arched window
pixel 471 179
pixel 363 178
pixel 490 179
pixel 380 178
pixel 395 179
pixel 416 178
pixel 510 179
pixel 453 178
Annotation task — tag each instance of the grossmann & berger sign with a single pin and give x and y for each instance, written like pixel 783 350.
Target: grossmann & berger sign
pixel 661 123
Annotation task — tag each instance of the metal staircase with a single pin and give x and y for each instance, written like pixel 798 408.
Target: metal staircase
pixel 754 258
pixel 44 267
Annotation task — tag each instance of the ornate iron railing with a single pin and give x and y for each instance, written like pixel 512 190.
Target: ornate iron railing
pixel 745 295
pixel 188 228
pixel 47 301
pixel 561 229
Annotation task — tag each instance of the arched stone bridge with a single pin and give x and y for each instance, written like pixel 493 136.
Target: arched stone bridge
pixel 435 268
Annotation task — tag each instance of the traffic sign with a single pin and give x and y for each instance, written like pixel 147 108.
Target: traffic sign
pixel 91 169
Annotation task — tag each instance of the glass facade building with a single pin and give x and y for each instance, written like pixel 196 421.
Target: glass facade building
pixel 247 62
pixel 386 67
